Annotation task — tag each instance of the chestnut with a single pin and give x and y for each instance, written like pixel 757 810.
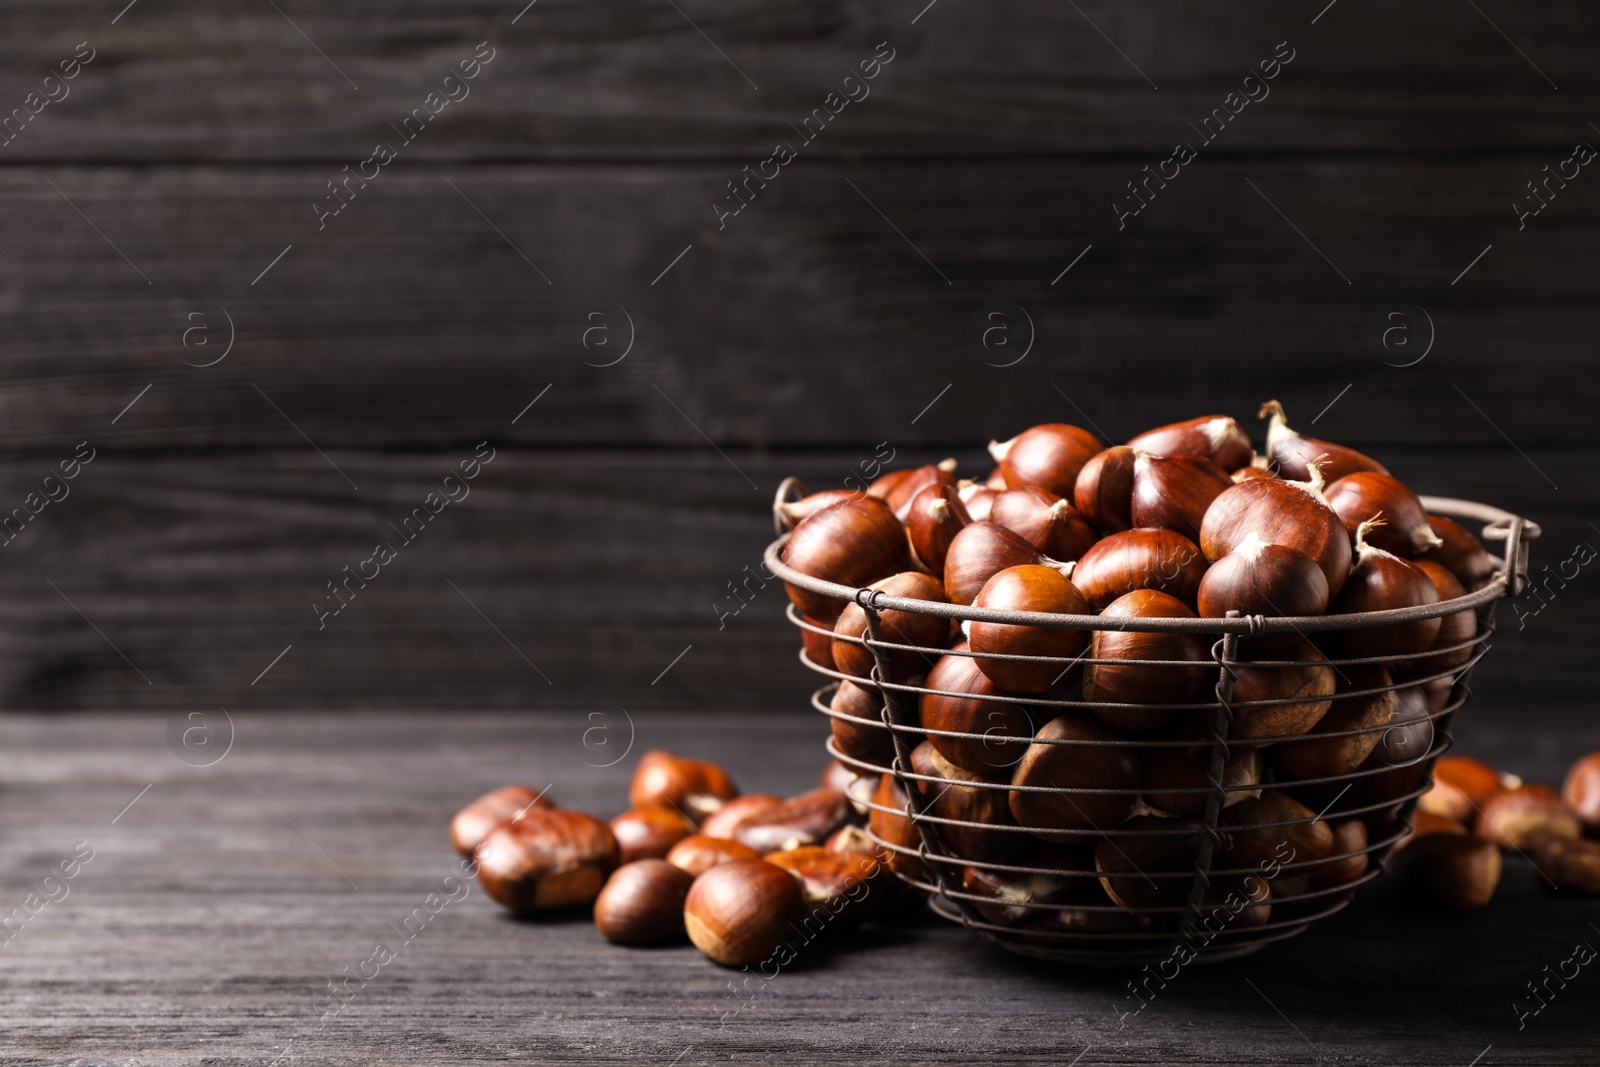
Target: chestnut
pixel 1294 454
pixel 1258 829
pixel 1461 786
pixel 1168 681
pixel 1046 521
pixel 1218 438
pixel 1457 629
pixel 1261 579
pixel 649 833
pixel 1094 922
pixel 857 723
pixel 1347 860
pixel 1012 898
pixel 642 903
pixel 1149 861
pixel 816 639
pixel 1359 496
pixel 1049 456
pixel 1103 493
pixel 807 819
pixel 1140 559
pixel 473 822
pixel 1003 726
pixel 836 775
pixel 1026 588
pixel 1174 492
pixel 743 912
pixel 695 788
pixel 926 633
pixel 1462 554
pixel 1074 752
pixel 1380 581
pixel 699 853
pixel 1570 864
pixel 1362 701
pixel 1524 818
pixel 1292 514
pixel 841 880
pixel 964 797
pixel 979 552
pixel 1424 823
pixel 1299 673
pixel 889 824
pixel 851 543
pixel 546 859
pixel 1453 871
pixel 794 512
pixel 737 810
pixel 905 490
pixel 935 516
pixel 1581 791
pixel 1177 780
pixel 977 498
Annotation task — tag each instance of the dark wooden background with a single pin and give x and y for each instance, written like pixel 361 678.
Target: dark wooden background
pixel 456 288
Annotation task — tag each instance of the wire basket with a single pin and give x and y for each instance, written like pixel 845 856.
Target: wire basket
pixel 1190 884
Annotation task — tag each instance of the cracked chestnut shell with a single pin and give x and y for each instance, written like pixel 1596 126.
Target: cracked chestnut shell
pixel 547 859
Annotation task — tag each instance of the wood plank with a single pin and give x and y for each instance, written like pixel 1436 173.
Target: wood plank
pixel 594 571
pixel 206 925
pixel 188 80
pixel 409 322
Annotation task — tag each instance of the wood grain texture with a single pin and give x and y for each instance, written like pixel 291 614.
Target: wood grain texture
pixel 632 79
pixel 592 574
pixel 207 925
pixel 809 320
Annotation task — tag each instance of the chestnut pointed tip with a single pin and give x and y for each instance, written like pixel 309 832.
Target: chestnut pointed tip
pixel 1274 409
pixel 947 464
pixel 999 449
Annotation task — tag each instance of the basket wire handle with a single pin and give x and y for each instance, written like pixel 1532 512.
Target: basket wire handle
pixel 1225 653
pixel 894 715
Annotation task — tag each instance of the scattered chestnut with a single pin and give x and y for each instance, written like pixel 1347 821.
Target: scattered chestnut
pixel 546 859
pixel 1046 521
pixel 840 880
pixel 1217 438
pixel 1294 454
pixel 851 543
pixel 1140 559
pixel 1581 791
pixel 1358 497
pixel 1261 579
pixel 695 788
pixel 979 552
pixel 836 775
pixel 1174 492
pixel 1026 588
pixel 857 722
pixel 1461 786
pixel 1103 493
pixel 699 853
pixel 1298 673
pixel 1049 456
pixel 964 797
pixel 1570 864
pixel 1258 829
pixel 473 822
pixel 928 633
pixel 649 833
pixel 1462 554
pixel 1453 871
pixel 807 819
pixel 1059 758
pixel 1424 823
pixel 1362 701
pixel 959 702
pixel 741 913
pixel 935 516
pixel 1525 817
pixel 1278 512
pixel 724 819
pixel 1165 682
pixel 642 903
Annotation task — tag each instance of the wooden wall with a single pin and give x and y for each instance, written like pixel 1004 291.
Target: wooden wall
pixel 577 178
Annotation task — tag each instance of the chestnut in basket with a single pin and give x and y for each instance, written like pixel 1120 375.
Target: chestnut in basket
pixel 1011 898
pixel 1003 727
pixel 1046 521
pixel 1359 496
pixel 1145 684
pixel 1462 554
pixel 1173 492
pixel 964 797
pixel 1140 559
pixel 1218 438
pixel 1268 580
pixel 1035 589
pixel 891 825
pixel 904 490
pixel 851 543
pixel 1362 701
pixel 979 552
pixel 1275 827
pixel 857 723
pixel 1292 514
pixel 1049 456
pixel 1294 454
pixel 546 859
pixel 1075 752
pixel 642 903
pixel 1177 780
pixel 928 633
pixel 1380 581
pixel 742 913
pixel 1133 861
pixel 473 822
pixel 1457 629
pixel 1103 493
pixel 934 518
pixel 1297 674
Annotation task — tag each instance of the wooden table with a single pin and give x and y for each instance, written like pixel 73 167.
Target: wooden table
pixel 221 900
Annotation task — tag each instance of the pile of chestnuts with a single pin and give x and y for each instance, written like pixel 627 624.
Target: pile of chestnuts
pixel 1062 770
pixel 1474 812
pixel 749 879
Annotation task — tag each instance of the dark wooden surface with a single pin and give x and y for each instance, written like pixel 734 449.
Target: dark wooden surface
pixel 217 907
